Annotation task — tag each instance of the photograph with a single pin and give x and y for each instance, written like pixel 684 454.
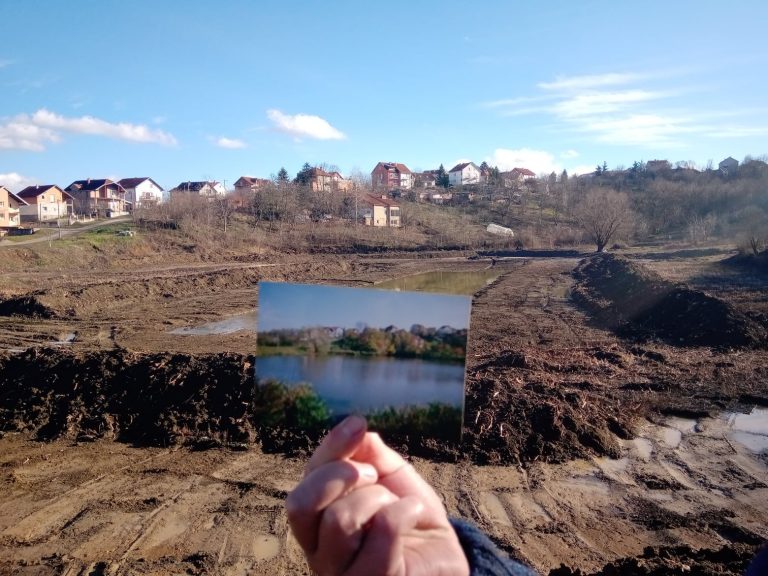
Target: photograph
pixel 395 357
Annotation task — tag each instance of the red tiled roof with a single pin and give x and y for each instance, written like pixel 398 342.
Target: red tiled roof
pixel 379 201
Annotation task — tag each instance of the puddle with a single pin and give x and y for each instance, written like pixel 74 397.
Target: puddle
pixel 749 430
pixel 444 282
pixel 586 484
pixel 644 448
pixel 64 340
pixel 238 323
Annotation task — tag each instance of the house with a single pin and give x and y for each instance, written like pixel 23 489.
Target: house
pixel 463 174
pixel 209 189
pixel 45 202
pixel 655 166
pixel 10 208
pixel 390 175
pixel 517 177
pixel 142 192
pixel 338 182
pixel 246 184
pixel 728 166
pixel 380 211
pixel 99 197
pixel 426 179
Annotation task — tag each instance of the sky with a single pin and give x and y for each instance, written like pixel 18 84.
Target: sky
pixel 283 305
pixel 197 90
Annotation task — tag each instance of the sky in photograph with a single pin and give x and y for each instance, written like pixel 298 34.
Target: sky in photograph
pixel 284 305
pixel 192 90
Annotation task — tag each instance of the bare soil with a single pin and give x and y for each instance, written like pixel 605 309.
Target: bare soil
pixel 586 448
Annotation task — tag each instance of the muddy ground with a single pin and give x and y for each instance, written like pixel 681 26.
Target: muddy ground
pixel 586 445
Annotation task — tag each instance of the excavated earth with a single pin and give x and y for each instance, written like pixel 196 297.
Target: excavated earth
pixel 596 441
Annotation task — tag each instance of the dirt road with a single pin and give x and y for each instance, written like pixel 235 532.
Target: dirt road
pixel 59 233
pixel 580 448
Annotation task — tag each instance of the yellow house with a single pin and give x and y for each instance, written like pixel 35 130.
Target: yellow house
pixel 45 202
pixel 10 208
pixel 380 211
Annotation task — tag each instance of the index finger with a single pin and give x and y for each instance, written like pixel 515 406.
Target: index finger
pixel 340 443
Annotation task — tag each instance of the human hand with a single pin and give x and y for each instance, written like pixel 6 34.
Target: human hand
pixel 362 509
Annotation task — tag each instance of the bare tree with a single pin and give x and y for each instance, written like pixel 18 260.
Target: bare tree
pixel 604 214
pixel 224 207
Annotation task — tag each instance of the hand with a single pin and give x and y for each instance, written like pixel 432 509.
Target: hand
pixel 362 509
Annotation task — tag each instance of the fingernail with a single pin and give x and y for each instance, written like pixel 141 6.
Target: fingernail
pixel 352 426
pixel 368 471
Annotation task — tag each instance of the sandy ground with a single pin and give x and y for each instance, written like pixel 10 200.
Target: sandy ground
pixel 678 484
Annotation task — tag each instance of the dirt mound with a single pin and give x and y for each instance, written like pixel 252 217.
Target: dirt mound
pixel 624 296
pixel 730 560
pixel 28 305
pixel 211 400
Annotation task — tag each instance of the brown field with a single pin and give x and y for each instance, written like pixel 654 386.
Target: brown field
pixel 582 447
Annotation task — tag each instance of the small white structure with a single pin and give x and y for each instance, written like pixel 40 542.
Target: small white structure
pixel 142 192
pixel 210 189
pixel 500 230
pixel 728 166
pixel 463 174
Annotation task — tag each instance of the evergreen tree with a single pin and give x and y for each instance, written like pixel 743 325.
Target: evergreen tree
pixel 442 178
pixel 282 175
pixel 304 176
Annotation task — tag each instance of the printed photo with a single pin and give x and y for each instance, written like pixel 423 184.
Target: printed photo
pixel 398 358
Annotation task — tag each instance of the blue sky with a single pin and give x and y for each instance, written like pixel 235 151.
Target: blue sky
pixel 188 90
pixel 284 305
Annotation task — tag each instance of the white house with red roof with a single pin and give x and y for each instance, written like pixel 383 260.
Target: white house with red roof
pixel 142 192
pixel 463 174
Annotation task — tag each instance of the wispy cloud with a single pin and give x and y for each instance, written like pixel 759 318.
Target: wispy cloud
pixel 5 62
pixel 569 154
pixel 35 131
pixel 538 161
pixel 304 126
pixel 617 108
pixel 230 143
pixel 15 181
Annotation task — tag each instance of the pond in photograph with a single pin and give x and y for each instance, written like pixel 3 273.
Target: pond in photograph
pixel 349 383
pixel 444 282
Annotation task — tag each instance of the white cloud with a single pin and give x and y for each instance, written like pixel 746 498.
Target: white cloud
pixel 230 143
pixel 96 126
pixel 16 182
pixel 569 154
pixel 19 133
pixel 34 132
pixel 599 103
pixel 538 161
pixel 581 169
pixel 589 81
pixel 304 126
pixel 5 62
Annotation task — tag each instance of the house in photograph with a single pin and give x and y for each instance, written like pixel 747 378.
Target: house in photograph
pixel 379 211
pixel 142 192
pixel 99 197
pixel 728 166
pixel 463 174
pixel 45 202
pixel 391 176
pixel 204 189
pixel 247 184
pixel 10 209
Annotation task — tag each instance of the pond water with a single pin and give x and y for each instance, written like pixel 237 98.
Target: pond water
pixel 751 429
pixel 226 326
pixel 444 282
pixel 349 383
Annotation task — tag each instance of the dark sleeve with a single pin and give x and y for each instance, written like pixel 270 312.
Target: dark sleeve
pixel 483 555
pixel 759 565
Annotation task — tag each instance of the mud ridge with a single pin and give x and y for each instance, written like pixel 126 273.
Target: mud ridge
pixel 637 303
